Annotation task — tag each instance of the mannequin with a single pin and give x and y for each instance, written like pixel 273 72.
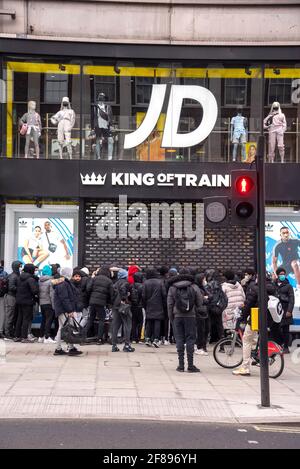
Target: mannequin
pixel 103 121
pixel 275 122
pixel 34 128
pixel 65 118
pixel 238 131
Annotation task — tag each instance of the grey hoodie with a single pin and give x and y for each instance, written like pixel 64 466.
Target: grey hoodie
pixel 46 290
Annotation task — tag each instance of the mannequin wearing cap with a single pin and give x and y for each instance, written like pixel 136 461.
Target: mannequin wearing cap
pixel 238 128
pixel 103 121
pixel 34 127
pixel 275 122
pixel 65 118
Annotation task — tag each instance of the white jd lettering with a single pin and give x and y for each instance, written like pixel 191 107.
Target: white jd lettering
pixel 170 136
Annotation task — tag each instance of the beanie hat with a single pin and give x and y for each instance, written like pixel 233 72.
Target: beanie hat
pixel 173 270
pixel 29 269
pixel 85 270
pixel 77 272
pixel 66 272
pixel 47 270
pixel 122 274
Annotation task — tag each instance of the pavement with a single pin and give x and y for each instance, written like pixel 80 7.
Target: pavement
pixel 143 385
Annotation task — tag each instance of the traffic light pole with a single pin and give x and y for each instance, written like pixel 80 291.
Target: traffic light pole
pixel 261 271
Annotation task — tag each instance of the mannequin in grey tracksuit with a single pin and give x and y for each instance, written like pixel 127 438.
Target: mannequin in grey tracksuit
pixel 65 118
pixel 275 122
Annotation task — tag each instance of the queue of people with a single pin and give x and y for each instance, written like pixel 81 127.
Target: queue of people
pixel 185 306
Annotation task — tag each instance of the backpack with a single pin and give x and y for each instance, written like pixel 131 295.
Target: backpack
pixel 135 295
pixel 185 299
pixel 218 301
pixel 275 308
pixel 3 286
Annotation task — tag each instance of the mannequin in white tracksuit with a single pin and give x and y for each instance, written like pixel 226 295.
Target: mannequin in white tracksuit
pixel 275 122
pixel 65 118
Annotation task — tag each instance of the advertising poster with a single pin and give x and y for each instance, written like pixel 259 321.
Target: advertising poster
pixel 283 249
pixel 250 150
pixel 43 241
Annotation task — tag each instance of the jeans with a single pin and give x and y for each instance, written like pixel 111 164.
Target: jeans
pixel 152 329
pixel 117 320
pixel 137 322
pixel 47 319
pixel 185 333
pixel 203 329
pixel 10 314
pixel 25 315
pixel 97 311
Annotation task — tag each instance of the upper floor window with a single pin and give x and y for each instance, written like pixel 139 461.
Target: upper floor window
pixel 235 92
pixel 280 89
pixel 56 87
pixel 106 85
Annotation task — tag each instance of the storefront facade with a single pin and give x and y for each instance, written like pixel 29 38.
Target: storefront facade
pixel 94 165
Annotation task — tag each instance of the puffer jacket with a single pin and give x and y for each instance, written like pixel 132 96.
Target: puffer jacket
pixel 65 297
pixel 252 301
pixel 27 289
pixel 182 281
pixel 13 278
pixel 100 290
pixel 236 298
pixel 286 295
pixel 154 296
pixel 85 280
pixel 46 293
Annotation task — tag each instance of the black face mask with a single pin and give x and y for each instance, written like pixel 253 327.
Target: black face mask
pixel 275 108
pixel 65 104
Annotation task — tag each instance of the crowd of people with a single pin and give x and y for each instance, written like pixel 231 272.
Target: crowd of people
pixel 157 306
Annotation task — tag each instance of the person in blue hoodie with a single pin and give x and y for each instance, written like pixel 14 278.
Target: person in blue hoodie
pixel 122 314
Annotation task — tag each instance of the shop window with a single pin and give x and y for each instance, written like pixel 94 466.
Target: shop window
pixel 280 89
pixel 106 85
pixel 56 87
pixel 235 91
pixel 143 90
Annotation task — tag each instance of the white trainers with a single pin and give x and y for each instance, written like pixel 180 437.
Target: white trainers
pixel 201 352
pixel 241 372
pixel 41 340
pixel 49 341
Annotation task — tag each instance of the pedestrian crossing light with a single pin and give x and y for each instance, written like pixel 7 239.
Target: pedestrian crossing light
pixel 243 198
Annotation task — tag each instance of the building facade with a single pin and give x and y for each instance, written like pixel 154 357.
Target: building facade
pixel 199 78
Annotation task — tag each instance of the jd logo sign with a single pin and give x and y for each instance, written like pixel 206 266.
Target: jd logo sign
pixel 171 138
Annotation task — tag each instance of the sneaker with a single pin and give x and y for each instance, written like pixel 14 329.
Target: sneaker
pixel 49 341
pixel 73 352
pixel 41 340
pixel 241 372
pixel 115 349
pixel 27 341
pixel 286 350
pixel 100 342
pixel 31 338
pixel 148 342
pixel 193 369
pixel 180 369
pixel 17 339
pixel 156 343
pixel 128 348
pixel 9 338
pixel 60 352
pixel 166 342
pixel 201 351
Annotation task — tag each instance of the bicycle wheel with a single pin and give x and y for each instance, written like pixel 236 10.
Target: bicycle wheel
pixel 228 354
pixel 276 365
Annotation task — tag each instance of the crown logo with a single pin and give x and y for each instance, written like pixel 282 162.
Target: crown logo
pixel 93 180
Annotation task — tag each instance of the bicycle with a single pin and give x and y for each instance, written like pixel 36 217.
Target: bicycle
pixel 228 352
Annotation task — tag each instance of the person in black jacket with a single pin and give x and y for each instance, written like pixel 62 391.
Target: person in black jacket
pixel 286 295
pixel 154 301
pixel 10 301
pixel 122 314
pixel 27 295
pixel 136 291
pixel 250 336
pixel 65 305
pixel 100 290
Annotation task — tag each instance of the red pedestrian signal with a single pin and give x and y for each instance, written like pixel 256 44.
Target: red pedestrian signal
pixel 243 198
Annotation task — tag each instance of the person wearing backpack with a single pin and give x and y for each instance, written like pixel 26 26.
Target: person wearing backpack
pixel 218 302
pixel 3 292
pixel 26 297
pixel 250 337
pixel 154 299
pixel 286 296
pixel 121 312
pixel 184 299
